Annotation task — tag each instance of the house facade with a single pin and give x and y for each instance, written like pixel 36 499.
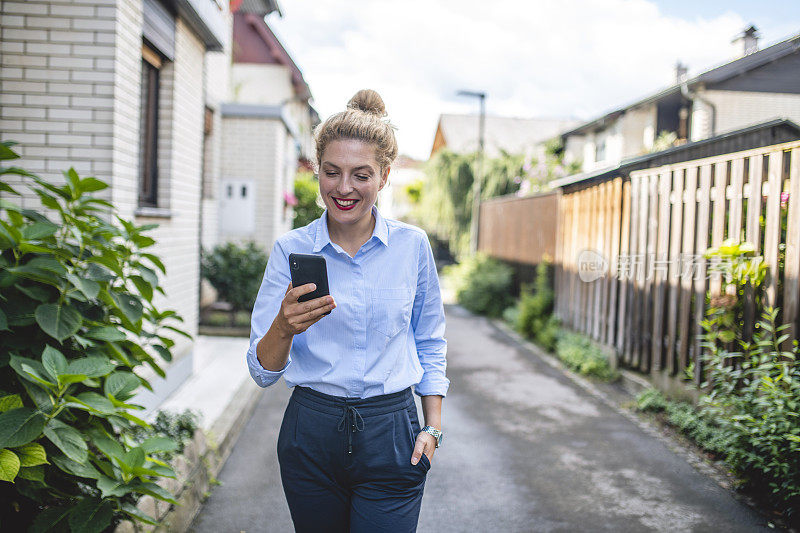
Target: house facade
pixel 267 128
pixel 757 86
pixel 128 91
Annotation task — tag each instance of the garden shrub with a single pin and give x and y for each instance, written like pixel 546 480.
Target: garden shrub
pixel 235 272
pixel 482 284
pixel 306 190
pixel 535 308
pixel 581 355
pixel 77 316
pixel 179 427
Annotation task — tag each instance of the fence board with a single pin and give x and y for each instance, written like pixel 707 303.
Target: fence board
pixel 659 263
pixel 688 254
pixel 735 199
pixel 619 274
pixel 753 229
pixel 703 210
pixel 791 282
pixel 673 274
pixel 718 198
pixel 632 272
pixel 645 364
pixel 772 231
pixel 614 250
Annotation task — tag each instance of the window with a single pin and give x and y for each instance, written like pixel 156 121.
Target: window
pixel 600 150
pixel 148 136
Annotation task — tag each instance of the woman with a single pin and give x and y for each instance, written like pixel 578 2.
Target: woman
pixel 351 451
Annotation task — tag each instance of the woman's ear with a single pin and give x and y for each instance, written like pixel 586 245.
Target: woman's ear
pixel 384 177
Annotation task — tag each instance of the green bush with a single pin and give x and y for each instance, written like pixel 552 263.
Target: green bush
pixel 236 273
pixel 701 429
pixel 482 284
pixel 535 307
pixel 306 190
pixel 76 318
pixel 581 355
pixel 179 427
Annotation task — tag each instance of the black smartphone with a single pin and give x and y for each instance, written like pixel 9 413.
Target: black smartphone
pixel 308 268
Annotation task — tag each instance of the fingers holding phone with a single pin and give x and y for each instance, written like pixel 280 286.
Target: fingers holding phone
pixel 298 315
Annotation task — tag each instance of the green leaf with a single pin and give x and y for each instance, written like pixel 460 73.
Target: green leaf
pixel 54 362
pixel 9 465
pixel 121 385
pixel 156 261
pixel 94 402
pixel 138 514
pixel 20 426
pixel 31 454
pixel 159 444
pixel 67 439
pixel 130 306
pixel 32 473
pixel 38 231
pixel 88 287
pixel 134 457
pixel 93 367
pixel 7 188
pixel 91 516
pixel 98 273
pixel 11 401
pixel 106 444
pixel 58 321
pixel 51 519
pixel 67 379
pixel 6 153
pixel 31 370
pixel 106 333
pixel 35 292
pixel 155 491
pixel 92 185
pixel 144 288
pixel 163 352
pixel 112 487
pixel 75 468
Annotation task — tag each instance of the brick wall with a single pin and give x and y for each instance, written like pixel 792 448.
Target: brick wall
pixel 70 94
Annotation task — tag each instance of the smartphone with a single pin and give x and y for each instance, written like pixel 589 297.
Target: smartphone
pixel 308 268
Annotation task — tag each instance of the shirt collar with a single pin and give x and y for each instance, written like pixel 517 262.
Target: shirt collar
pixel 322 238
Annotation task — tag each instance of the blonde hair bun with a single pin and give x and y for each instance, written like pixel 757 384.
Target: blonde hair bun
pixel 368 101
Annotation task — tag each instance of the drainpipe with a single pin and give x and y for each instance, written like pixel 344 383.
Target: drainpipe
pixel 694 96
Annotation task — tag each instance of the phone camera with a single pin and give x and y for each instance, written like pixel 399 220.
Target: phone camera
pixel 295 266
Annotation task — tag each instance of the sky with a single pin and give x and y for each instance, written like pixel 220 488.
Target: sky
pixel 534 58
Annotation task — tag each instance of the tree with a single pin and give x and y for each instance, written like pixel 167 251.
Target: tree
pixel 235 272
pixel 306 190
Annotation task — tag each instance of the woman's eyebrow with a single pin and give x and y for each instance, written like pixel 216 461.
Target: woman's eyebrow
pixel 362 167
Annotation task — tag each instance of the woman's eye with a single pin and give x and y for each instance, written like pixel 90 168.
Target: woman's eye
pixel 361 176
pixel 330 173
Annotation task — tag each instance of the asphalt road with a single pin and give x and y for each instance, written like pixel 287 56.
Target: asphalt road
pixel 525 449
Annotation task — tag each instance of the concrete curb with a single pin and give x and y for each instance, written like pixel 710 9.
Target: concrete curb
pixel 201 461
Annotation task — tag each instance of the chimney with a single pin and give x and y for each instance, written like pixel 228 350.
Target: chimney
pixel 681 71
pixel 746 42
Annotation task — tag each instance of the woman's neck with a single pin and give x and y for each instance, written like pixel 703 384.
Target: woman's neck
pixel 351 236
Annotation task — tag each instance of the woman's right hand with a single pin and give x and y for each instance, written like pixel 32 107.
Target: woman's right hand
pixel 296 317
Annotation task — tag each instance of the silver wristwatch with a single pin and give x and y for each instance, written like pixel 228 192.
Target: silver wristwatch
pixel 436 433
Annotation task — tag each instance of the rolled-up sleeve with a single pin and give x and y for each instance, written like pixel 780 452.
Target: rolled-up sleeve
pixel 428 322
pixel 268 303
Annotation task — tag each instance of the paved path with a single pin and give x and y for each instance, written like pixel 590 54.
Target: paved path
pixel 525 450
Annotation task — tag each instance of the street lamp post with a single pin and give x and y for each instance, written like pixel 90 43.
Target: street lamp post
pixel 476 183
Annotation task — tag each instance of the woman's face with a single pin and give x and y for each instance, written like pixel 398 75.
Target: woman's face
pixel 349 180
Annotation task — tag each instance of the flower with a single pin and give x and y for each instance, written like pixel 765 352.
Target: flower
pixel 784 198
pixel 289 198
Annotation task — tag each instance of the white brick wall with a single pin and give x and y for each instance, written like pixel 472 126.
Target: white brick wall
pixel 70 94
pixel 736 109
pixel 254 148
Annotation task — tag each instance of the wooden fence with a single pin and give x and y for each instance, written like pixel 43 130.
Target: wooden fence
pixel 519 230
pixel 629 266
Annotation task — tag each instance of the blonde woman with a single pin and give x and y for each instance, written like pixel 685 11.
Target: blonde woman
pixel 352 454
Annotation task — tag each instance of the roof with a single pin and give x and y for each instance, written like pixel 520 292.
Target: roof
pixel 755 136
pixel 712 76
pixel 259 7
pixel 254 42
pixel 510 134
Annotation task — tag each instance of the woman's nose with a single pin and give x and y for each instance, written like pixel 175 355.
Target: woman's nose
pixel 345 185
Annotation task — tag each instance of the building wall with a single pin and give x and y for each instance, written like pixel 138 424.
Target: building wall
pixel 258 83
pixel 58 82
pixel 573 149
pixel 253 148
pixel 736 110
pixel 71 96
pixel 638 130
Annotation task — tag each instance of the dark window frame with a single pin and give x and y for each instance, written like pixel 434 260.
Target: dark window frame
pixel 148 138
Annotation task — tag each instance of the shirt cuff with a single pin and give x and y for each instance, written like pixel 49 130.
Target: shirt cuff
pixel 262 376
pixel 430 386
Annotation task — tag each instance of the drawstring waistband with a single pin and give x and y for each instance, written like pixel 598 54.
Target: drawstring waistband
pixel 351 418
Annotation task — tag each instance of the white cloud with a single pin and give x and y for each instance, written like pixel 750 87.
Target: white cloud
pixel 536 58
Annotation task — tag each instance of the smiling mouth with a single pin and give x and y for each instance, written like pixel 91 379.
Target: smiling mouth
pixel 344 205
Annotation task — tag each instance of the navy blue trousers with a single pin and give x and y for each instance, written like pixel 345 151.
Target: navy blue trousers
pixel 346 463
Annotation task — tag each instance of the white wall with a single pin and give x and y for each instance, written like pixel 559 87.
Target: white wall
pixel 737 109
pixel 256 83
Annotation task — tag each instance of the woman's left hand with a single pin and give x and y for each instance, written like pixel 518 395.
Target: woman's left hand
pixel 426 443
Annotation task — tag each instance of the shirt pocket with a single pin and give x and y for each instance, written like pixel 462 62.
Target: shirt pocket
pixel 391 309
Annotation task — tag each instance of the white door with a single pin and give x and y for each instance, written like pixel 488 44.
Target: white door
pixel 237 207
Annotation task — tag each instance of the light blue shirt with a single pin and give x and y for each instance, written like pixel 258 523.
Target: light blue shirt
pixel 387 330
